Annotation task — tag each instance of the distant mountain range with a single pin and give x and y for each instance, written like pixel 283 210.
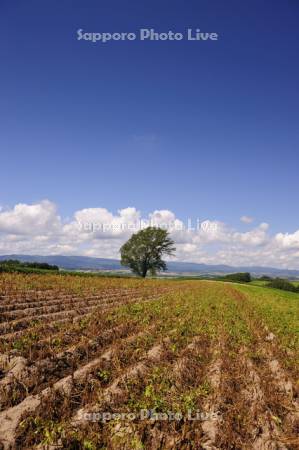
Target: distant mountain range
pixel 174 267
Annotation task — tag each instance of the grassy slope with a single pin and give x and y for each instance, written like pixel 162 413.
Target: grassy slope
pixel 279 310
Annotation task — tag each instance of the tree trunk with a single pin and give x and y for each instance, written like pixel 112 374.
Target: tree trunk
pixel 144 269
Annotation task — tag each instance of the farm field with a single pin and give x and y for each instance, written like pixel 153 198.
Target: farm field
pixel 112 363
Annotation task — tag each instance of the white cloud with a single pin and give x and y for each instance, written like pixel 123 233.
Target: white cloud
pixel 287 240
pixel 264 226
pixel 38 229
pixel 255 237
pixel 246 219
pixel 30 219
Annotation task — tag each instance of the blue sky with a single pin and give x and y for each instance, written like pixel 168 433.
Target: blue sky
pixel 203 129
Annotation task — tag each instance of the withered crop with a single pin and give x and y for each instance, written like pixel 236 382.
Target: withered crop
pixel 111 363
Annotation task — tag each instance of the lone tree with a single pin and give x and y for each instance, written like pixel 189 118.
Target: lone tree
pixel 144 250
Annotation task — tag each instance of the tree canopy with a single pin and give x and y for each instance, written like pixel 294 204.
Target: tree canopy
pixel 144 250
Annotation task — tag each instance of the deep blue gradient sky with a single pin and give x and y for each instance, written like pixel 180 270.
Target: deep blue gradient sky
pixel 206 130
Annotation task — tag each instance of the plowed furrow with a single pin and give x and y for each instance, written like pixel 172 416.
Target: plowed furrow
pixel 23 378
pixel 52 323
pixel 19 307
pixel 50 326
pixel 279 392
pixel 10 418
pixel 22 302
pixel 16 325
pixel 248 420
pixel 32 312
pixel 211 407
pixel 24 323
pixel 11 315
pixel 26 308
pixel 264 430
pixel 189 385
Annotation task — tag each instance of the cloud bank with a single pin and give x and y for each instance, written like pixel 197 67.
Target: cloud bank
pixel 39 229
